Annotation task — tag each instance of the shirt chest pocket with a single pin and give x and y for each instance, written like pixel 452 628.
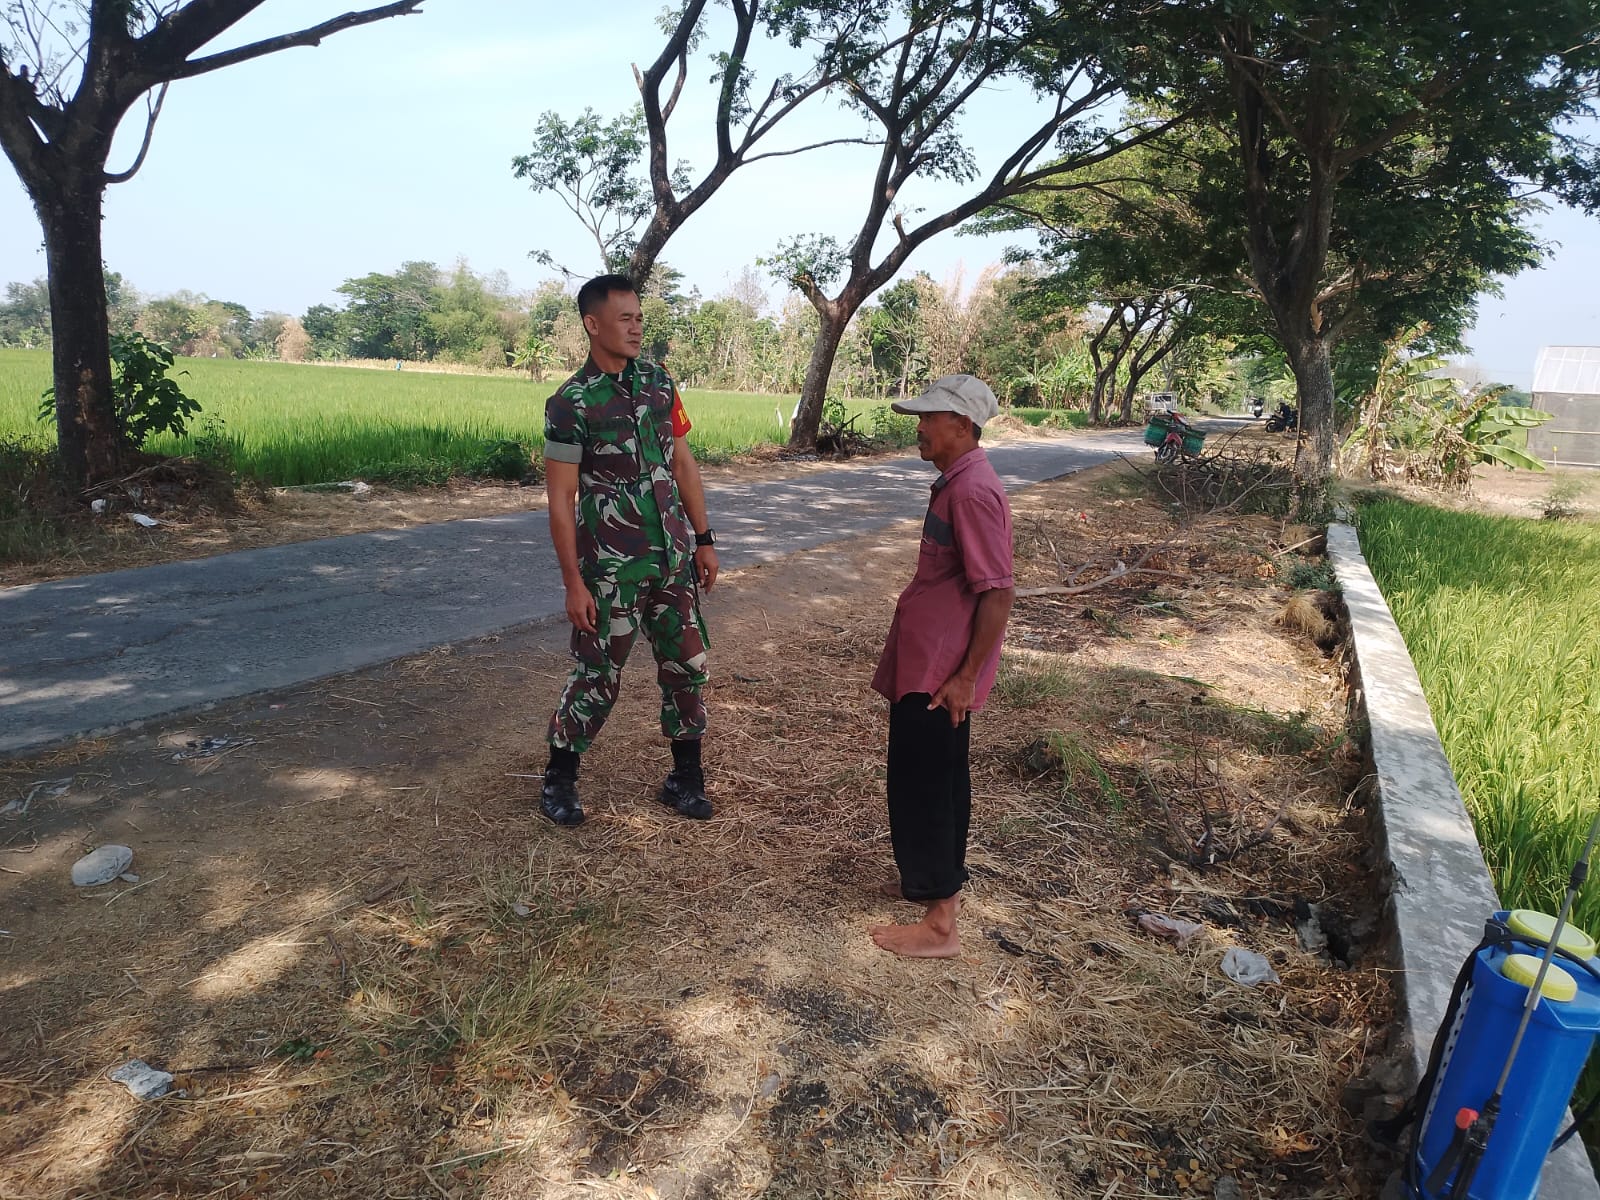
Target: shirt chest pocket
pixel 613 446
pixel 938 534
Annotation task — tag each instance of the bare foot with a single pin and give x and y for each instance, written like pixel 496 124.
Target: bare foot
pixel 932 937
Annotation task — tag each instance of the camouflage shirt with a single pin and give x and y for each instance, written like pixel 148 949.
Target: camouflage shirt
pixel 618 430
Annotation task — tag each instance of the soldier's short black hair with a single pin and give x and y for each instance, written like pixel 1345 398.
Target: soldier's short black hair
pixel 594 293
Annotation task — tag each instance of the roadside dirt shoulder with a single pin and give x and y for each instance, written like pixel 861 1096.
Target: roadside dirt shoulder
pixel 376 971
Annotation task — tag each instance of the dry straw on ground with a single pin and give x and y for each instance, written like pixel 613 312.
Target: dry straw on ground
pixel 441 996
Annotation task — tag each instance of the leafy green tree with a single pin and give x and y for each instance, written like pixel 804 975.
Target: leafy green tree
pixel 549 302
pixel 1031 344
pixel 69 73
pixel 261 338
pixel 1127 238
pixel 894 331
pixel 592 166
pixel 25 315
pixel 322 326
pixel 169 320
pixel 911 69
pixel 123 303
pixel 1379 157
pixel 387 315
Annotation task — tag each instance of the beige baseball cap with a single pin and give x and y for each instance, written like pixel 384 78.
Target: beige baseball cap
pixel 964 394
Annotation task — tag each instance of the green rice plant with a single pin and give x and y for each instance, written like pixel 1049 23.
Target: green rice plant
pixel 292 423
pixel 1500 618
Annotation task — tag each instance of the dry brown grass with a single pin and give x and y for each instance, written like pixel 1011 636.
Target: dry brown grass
pixel 438 995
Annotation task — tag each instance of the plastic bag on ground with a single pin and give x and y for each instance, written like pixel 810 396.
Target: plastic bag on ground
pixel 1247 967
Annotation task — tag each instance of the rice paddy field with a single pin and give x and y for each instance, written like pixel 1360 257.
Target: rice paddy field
pixel 296 424
pixel 1501 618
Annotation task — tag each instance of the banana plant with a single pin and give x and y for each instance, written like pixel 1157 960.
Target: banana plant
pixel 1491 426
pixel 1416 423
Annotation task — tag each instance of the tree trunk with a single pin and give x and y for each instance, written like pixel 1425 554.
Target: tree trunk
pixel 650 245
pixel 834 318
pixel 1313 461
pixel 92 447
pixel 1135 377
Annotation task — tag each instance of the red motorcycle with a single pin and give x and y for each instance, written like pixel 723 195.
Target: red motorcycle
pixel 1173 438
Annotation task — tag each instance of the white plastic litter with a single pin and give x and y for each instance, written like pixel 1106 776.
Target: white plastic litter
pixel 101 865
pixel 97 506
pixel 143 1080
pixel 1247 967
pixel 141 519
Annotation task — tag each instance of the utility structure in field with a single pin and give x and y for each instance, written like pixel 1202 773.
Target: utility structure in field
pixel 67 79
pixel 1566 383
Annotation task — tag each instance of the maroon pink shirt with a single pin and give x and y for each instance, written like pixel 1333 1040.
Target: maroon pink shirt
pixel 966 551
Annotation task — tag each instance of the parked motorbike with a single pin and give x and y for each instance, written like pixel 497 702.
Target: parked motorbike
pixel 1287 417
pixel 1256 404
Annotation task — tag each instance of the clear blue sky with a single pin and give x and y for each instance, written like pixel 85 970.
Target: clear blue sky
pixel 271 183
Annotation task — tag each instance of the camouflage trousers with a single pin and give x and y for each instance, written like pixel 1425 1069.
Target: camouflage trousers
pixel 669 614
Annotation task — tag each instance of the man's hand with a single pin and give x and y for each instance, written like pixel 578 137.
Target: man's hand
pixel 705 566
pixel 955 697
pixel 581 608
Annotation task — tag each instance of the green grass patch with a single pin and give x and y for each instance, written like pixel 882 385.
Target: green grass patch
pixel 1052 418
pixel 289 424
pixel 1023 681
pixel 33 526
pixel 1500 616
pixel 1318 575
pixel 496 974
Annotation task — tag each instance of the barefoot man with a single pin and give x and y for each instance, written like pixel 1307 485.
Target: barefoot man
pixel 940 661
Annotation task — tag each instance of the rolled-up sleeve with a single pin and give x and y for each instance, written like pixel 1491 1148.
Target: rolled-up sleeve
pixel 564 431
pixel 983 535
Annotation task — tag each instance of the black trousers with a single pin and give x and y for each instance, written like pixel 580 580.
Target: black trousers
pixel 930 798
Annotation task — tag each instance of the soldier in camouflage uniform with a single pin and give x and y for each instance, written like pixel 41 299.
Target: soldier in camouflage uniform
pixel 635 554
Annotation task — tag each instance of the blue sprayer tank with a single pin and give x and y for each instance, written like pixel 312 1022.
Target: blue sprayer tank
pixel 1552 1055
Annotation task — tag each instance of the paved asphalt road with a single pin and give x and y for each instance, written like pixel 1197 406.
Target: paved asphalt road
pixel 100 652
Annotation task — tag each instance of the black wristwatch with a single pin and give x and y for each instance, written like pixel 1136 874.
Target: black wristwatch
pixel 708 538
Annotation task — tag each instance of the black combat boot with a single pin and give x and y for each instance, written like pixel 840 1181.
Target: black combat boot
pixel 558 799
pixel 685 788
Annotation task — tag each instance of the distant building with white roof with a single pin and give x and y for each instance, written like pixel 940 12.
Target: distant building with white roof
pixel 1566 382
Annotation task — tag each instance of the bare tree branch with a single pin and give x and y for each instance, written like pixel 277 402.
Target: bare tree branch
pixel 144 146
pixel 305 37
pixel 849 141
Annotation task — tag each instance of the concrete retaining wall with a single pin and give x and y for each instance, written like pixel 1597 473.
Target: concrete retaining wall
pixel 1439 888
